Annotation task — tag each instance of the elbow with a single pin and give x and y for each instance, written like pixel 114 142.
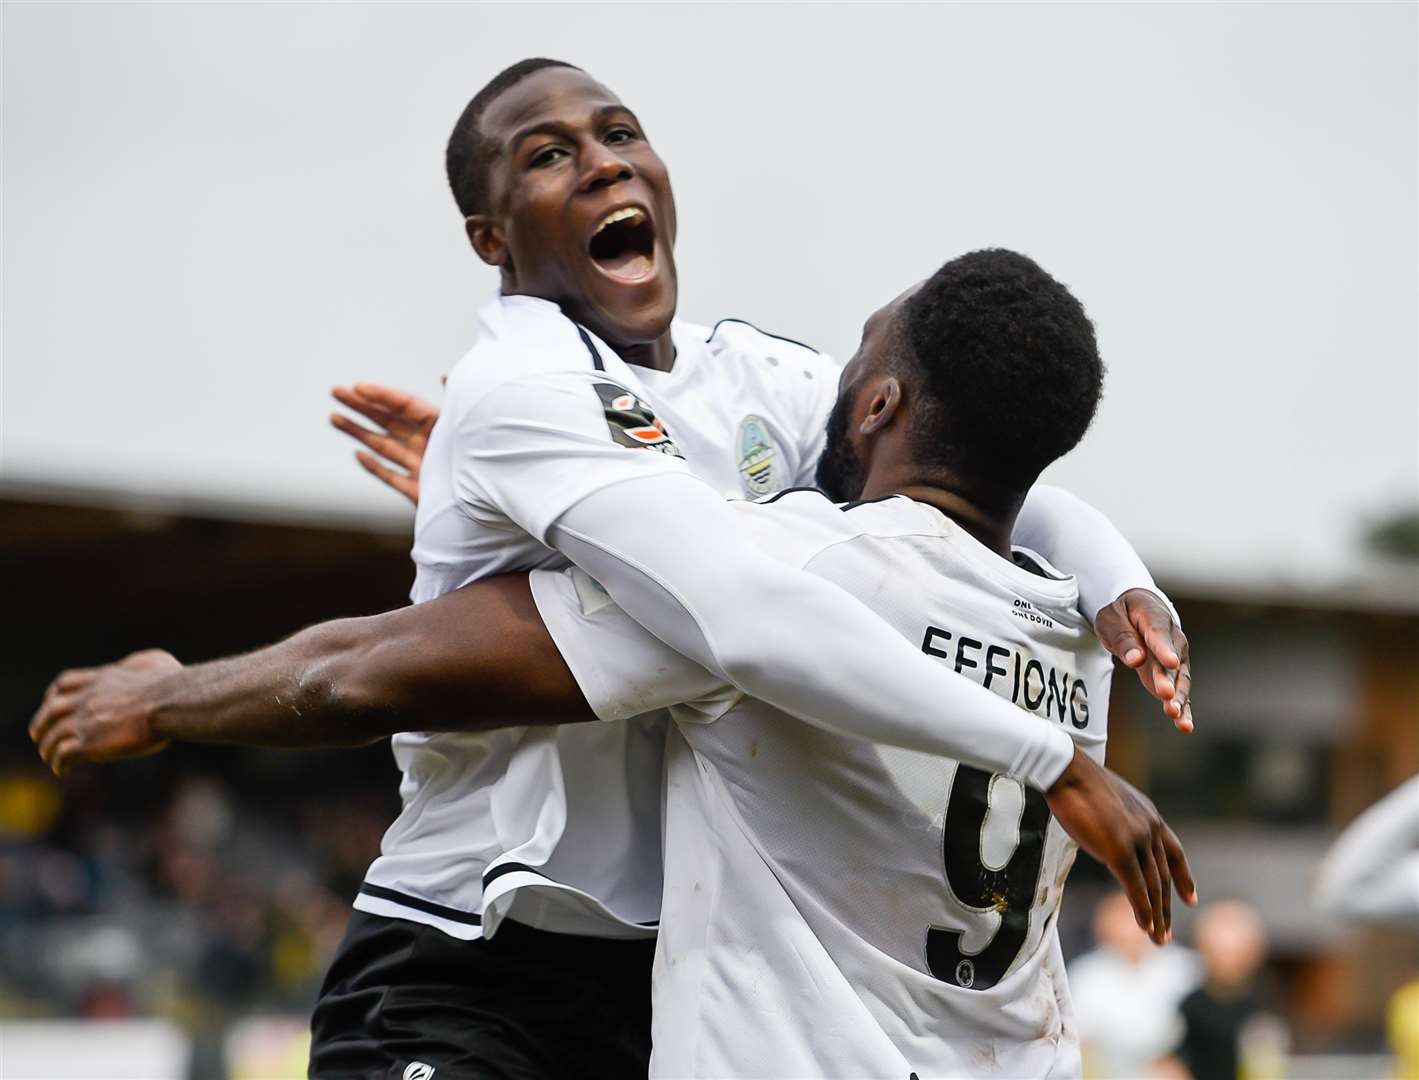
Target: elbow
pixel 746 670
pixel 342 683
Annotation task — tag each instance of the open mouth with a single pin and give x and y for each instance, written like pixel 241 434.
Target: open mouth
pixel 623 245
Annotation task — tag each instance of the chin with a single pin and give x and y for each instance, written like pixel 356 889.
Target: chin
pixel 627 319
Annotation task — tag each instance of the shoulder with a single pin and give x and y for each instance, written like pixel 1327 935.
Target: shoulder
pixel 787 380
pixel 771 349
pixel 734 331
pixel 797 523
pixel 520 338
pixel 805 507
pixel 816 523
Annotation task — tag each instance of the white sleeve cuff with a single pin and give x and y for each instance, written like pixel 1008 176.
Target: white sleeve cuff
pixel 1043 761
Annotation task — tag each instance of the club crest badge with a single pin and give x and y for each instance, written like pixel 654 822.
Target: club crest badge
pixel 756 454
pixel 632 422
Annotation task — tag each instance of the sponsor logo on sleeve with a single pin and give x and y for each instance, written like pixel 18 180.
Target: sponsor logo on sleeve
pixel 756 454
pixel 632 422
pixel 418 1070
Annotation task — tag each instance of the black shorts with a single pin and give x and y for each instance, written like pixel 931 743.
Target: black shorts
pixel 524 1004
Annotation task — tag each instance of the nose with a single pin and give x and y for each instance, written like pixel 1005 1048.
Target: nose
pixel 604 167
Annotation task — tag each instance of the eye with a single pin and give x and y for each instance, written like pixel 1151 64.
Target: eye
pixel 546 156
pixel 619 135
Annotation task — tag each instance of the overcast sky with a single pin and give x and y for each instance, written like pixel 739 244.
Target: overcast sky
pixel 214 212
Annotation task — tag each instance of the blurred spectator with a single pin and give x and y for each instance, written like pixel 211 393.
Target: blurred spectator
pixel 1126 994
pixel 1224 1010
pixel 1372 875
pixel 1402 1024
pixel 198 898
pixel 1372 872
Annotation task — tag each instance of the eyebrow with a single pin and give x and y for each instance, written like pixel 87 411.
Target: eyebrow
pixel 557 127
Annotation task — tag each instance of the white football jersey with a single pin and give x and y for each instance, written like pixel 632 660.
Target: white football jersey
pixel 565 823
pixel 838 908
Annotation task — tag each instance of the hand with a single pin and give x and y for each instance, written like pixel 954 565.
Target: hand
pixel 103 713
pixel 1138 628
pixel 405 422
pixel 1118 825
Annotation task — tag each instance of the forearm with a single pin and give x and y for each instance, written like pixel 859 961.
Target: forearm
pixel 293 694
pixel 476 659
pixel 788 638
pixel 1080 540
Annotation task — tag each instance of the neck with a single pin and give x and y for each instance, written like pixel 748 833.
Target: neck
pixel 658 354
pixel 989 518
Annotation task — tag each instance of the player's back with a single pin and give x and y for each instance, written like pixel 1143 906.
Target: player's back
pixel 837 908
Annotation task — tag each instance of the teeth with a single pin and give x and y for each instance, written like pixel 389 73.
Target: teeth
pixel 619 215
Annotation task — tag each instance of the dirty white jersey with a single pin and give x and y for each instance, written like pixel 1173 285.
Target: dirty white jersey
pixel 836 908
pixel 561 827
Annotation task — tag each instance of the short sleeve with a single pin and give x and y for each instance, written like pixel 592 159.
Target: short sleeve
pixel 623 669
pixel 534 446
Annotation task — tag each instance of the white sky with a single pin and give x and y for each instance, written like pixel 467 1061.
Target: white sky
pixel 213 212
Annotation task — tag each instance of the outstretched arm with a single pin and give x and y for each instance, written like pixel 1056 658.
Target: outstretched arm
pixel 475 659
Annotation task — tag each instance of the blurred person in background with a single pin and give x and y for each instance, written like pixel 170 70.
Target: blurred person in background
pixel 1224 1011
pixel 1372 873
pixel 1126 994
pixel 1372 876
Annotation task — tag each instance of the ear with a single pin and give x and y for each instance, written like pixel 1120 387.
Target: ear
pixel 883 407
pixel 488 239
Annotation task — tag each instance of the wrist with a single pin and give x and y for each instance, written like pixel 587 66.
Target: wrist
pixel 1073 774
pixel 1120 596
pixel 159 709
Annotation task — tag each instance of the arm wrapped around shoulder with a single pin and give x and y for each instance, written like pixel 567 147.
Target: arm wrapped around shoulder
pixel 675 556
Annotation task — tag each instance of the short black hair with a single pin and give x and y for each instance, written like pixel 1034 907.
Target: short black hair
pixel 1012 372
pixel 468 157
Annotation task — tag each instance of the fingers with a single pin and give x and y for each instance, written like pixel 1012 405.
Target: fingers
pixel 1158 681
pixel 58 703
pixel 58 748
pixel 1154 883
pixel 1182 700
pixel 1184 680
pixel 1154 623
pixel 1116 633
pixel 75 679
pixel 405 485
pixel 1128 648
pixel 362 403
pixel 399 403
pixel 45 718
pixel 1177 865
pixel 1173 687
pixel 65 756
pixel 1165 878
pixel 383 445
pixel 1130 876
